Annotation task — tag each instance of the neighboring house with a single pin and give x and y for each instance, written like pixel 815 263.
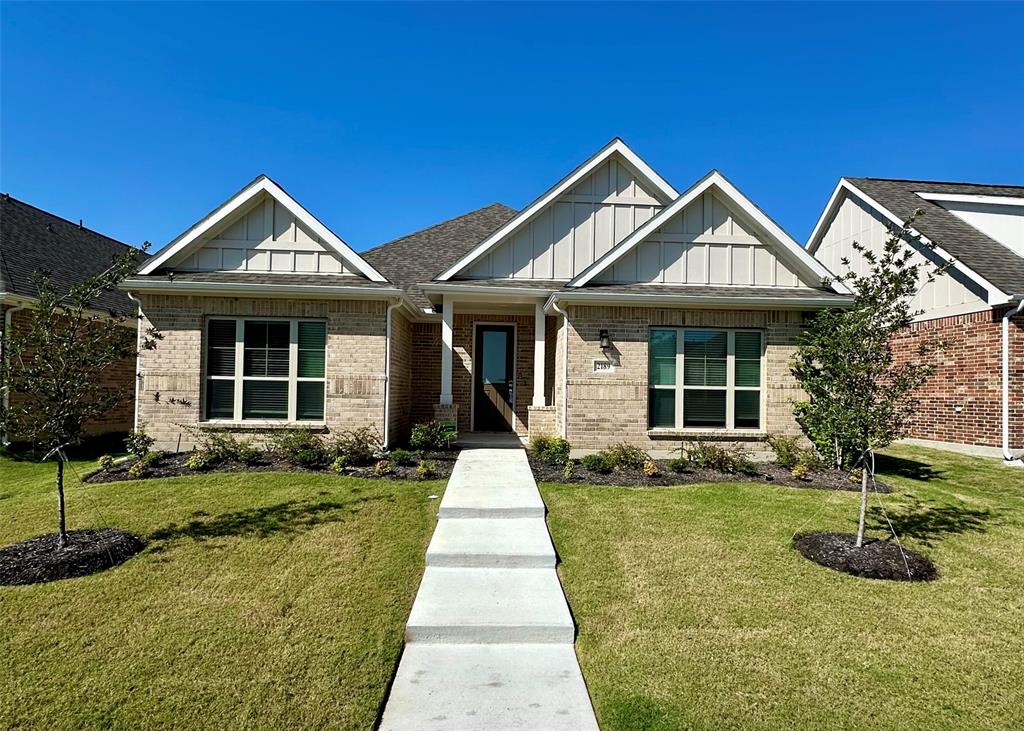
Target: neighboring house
pixel 612 308
pixel 976 397
pixel 32 239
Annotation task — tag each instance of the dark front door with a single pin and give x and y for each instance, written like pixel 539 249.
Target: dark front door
pixel 493 389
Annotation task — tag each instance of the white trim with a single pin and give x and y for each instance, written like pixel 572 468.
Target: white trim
pixel 553 304
pixel 167 285
pixel 539 355
pixel 566 183
pixel 713 180
pixel 586 296
pixel 473 361
pixel 1008 456
pixel 995 200
pixel 447 350
pixel 262 184
pixel 995 295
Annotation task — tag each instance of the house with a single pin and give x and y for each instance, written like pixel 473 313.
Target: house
pixel 32 239
pixel 975 401
pixel 611 308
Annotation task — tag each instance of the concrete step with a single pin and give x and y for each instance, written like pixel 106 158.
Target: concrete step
pixel 491 483
pixel 467 606
pixel 491 543
pixel 488 688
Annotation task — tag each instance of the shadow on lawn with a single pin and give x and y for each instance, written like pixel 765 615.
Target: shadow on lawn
pixel 886 464
pixel 287 517
pixel 927 523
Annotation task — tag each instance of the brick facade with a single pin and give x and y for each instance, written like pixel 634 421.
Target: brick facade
pixel 400 382
pixel 962 403
pixel 604 408
pixel 172 391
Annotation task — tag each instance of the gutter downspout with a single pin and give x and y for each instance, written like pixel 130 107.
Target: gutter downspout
pixel 565 366
pixel 4 354
pixel 1008 457
pixel 138 356
pixel 387 375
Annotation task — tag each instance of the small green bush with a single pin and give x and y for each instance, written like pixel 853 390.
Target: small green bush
pixel 712 457
pixel 800 472
pixel 786 448
pixel 597 463
pixel 140 468
pixel 426 469
pixel 402 457
pixel 138 443
pixel 339 464
pixel 359 446
pixel 222 446
pixel 433 436
pixel 569 469
pixel 300 447
pixel 650 468
pixel 199 460
pixel 679 464
pixel 624 456
pixel 383 467
pixel 106 462
pixel 550 450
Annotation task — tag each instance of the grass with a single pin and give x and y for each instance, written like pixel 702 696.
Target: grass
pixel 266 600
pixel 695 612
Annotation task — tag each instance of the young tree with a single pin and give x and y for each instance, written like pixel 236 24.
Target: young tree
pixel 861 397
pixel 52 368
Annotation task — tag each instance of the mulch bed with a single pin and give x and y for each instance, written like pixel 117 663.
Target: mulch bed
pixel 39 560
pixel 876 559
pixel 768 472
pixel 173 464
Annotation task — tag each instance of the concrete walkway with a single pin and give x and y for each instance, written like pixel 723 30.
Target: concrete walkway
pixel 489 642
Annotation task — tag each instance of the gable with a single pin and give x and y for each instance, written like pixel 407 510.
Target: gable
pixel 707 242
pixel 1001 222
pixel 575 229
pixel 263 237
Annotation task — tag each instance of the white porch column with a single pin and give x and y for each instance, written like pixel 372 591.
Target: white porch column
pixel 539 332
pixel 447 339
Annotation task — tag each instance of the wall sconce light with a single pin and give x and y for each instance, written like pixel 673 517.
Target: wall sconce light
pixel 605 340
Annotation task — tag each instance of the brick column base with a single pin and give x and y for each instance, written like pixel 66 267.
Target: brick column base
pixel 542 421
pixel 447 412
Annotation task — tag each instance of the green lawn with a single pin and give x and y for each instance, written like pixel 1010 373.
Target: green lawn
pixel 262 601
pixel 695 612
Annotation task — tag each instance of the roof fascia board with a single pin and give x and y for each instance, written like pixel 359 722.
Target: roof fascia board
pixel 245 288
pixel 996 200
pixel 716 180
pixel 584 169
pixel 499 290
pixel 238 201
pixel 795 303
pixel 996 295
pixel 827 213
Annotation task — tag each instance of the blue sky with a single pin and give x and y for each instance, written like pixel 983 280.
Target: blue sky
pixel 383 119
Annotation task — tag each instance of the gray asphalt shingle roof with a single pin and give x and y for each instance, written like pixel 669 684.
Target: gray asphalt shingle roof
pixel 32 239
pixel 984 255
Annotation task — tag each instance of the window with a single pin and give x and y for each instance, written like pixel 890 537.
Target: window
pixel 721 379
pixel 265 369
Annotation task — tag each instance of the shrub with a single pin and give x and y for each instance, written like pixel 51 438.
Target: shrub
pixel 106 462
pixel 743 464
pixel 359 446
pixel 300 447
pixel 569 469
pixel 223 446
pixel 787 450
pixel 597 463
pixel 402 457
pixel 810 459
pixel 339 464
pixel 199 460
pixel 138 443
pixel 552 451
pixel 650 468
pixel 140 467
pixel 712 457
pixel 383 467
pixel 800 472
pixel 434 435
pixel 426 469
pixel 679 464
pixel 624 456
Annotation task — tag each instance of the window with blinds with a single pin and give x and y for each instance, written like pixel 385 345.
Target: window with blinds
pixel 265 369
pixel 704 379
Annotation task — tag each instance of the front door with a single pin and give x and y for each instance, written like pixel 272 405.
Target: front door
pixel 494 387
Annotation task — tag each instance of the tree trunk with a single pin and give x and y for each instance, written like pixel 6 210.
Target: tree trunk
pixel 62 533
pixel 863 503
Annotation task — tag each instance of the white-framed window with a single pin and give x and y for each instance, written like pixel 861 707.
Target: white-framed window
pixel 265 369
pixel 704 378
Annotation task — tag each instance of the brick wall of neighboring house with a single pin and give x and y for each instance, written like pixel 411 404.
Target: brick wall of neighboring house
pixel 962 403
pixel 399 396
pixel 119 377
pixel 604 408
pixel 171 390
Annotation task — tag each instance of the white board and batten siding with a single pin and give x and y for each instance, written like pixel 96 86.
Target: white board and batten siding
pixel 705 243
pixel 855 220
pixel 265 237
pixel 573 231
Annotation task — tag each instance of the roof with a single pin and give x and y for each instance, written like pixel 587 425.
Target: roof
pixel 299 280
pixel 982 254
pixel 419 257
pixel 32 239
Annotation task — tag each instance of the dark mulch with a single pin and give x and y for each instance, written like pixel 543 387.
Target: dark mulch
pixel 173 464
pixel 39 560
pixel 767 472
pixel 876 559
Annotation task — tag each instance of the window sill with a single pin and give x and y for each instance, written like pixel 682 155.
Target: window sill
pixel 261 425
pixel 698 433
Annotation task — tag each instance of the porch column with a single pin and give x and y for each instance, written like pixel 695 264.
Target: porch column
pixel 447 329
pixel 539 332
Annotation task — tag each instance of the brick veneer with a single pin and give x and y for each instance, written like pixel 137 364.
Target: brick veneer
pixel 962 403
pixel 171 389
pixel 399 388
pixel 611 407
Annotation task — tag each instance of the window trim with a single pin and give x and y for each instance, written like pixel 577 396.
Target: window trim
pixel 730 386
pixel 293 378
